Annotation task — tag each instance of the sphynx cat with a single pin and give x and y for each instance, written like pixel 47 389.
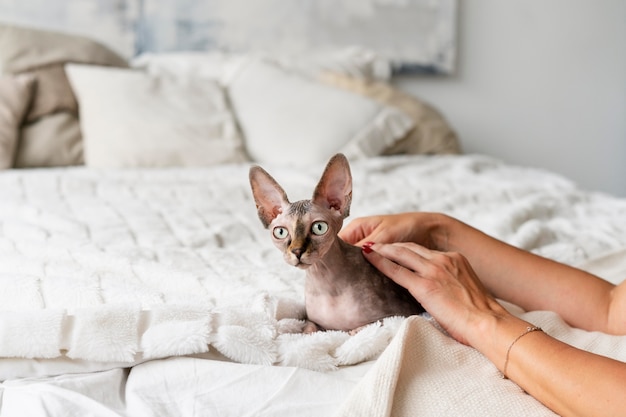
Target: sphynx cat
pixel 343 291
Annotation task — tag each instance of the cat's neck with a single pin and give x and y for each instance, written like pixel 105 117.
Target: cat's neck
pixel 340 263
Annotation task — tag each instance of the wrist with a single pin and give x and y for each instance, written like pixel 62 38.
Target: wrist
pixel 441 231
pixel 494 335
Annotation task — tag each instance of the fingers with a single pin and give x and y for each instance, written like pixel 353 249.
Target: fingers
pixel 418 249
pixel 402 262
pixel 392 269
pixel 351 233
pixel 408 254
pixel 383 228
pixel 358 231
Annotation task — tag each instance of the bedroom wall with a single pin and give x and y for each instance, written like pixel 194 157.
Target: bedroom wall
pixel 541 83
pixel 538 82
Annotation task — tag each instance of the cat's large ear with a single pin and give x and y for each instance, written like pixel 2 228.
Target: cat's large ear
pixel 335 187
pixel 269 197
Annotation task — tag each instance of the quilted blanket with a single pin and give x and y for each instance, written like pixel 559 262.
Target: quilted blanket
pixel 112 268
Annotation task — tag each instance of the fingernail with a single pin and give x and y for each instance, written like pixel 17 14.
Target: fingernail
pixel 367 247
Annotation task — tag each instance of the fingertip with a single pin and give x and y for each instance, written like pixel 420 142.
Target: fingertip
pixel 367 247
pixel 348 236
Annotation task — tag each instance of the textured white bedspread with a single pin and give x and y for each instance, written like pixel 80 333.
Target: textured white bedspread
pixel 106 269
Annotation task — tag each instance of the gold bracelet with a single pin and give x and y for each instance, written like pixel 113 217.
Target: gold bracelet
pixel 529 329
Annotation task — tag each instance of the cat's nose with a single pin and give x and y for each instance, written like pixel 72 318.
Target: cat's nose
pixel 298 252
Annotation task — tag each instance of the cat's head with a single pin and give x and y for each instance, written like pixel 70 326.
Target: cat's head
pixel 304 230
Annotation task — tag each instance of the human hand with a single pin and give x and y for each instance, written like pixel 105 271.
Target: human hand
pixel 405 227
pixel 444 283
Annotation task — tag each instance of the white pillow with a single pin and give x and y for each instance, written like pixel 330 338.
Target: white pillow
pixel 130 118
pixel 288 118
pixel 214 65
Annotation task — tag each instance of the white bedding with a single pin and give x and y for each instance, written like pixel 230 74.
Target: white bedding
pixel 102 270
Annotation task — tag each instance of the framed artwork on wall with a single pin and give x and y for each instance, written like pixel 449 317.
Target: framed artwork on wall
pixel 414 35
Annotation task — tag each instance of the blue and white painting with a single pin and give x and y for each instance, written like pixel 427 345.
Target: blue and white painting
pixel 412 34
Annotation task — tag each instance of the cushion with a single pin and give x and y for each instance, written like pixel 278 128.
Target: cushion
pixel 432 133
pixel 43 53
pixel 24 48
pixel 130 118
pixel 288 118
pixel 15 96
pixel 52 93
pixel 54 140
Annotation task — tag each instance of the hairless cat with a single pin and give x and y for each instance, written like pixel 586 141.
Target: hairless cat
pixel 342 290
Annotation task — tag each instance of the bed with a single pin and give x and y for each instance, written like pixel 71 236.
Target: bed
pixel 137 280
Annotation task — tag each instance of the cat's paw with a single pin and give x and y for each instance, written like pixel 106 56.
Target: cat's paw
pixel 355 331
pixel 310 327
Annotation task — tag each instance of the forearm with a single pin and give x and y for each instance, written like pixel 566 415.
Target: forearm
pixel 528 280
pixel 568 380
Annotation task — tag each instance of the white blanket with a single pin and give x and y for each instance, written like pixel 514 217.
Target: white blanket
pixel 422 372
pixel 110 268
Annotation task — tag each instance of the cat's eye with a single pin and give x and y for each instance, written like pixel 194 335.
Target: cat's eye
pixel 319 228
pixel 280 232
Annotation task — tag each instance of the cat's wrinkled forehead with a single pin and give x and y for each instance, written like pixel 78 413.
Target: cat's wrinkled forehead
pixel 299 208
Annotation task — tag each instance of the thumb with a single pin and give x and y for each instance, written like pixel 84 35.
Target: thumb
pixel 352 235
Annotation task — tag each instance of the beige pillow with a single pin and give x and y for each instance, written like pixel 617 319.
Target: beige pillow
pixel 24 48
pixel 15 95
pixel 432 133
pixel 44 53
pixel 133 119
pixel 52 93
pixel 287 118
pixel 53 140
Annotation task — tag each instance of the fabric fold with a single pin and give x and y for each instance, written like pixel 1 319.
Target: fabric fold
pixel 388 127
pixel 31 334
pixel 108 333
pixel 176 330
